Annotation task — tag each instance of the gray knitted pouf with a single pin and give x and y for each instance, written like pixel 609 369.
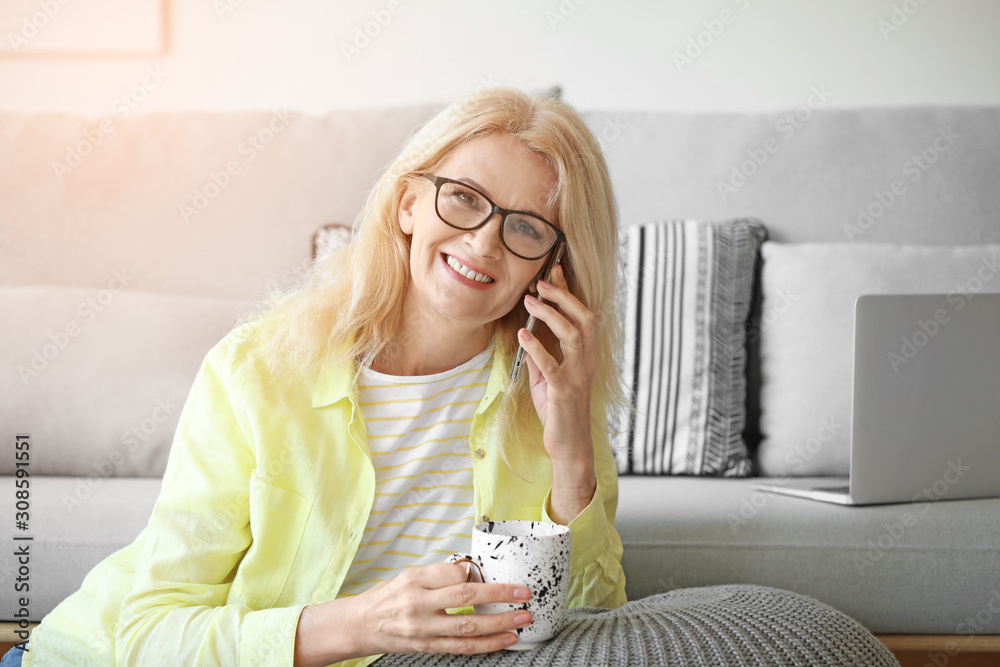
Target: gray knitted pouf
pixel 715 625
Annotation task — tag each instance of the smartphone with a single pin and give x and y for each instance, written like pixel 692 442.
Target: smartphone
pixel 554 260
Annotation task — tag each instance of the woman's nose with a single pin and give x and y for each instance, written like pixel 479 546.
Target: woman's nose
pixel 486 240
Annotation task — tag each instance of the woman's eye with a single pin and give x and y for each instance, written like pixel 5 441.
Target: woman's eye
pixel 464 198
pixel 524 228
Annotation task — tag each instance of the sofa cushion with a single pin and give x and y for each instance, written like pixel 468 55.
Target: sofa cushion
pixel 922 568
pixel 861 560
pixel 688 291
pixel 97 378
pixel 807 336
pixel 75 523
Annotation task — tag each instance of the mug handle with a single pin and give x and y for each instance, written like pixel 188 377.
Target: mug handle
pixel 471 560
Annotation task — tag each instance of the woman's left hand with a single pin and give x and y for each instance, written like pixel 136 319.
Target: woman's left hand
pixel 561 393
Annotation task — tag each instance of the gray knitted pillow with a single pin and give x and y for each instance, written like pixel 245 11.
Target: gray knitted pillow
pixel 688 290
pixel 716 625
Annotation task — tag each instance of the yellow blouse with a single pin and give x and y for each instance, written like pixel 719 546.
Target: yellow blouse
pixel 265 497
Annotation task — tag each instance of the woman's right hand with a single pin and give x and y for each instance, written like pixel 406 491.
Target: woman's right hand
pixel 406 614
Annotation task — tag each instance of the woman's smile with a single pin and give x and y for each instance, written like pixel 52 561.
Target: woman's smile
pixel 466 273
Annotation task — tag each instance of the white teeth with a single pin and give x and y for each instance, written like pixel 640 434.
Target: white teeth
pixel 468 273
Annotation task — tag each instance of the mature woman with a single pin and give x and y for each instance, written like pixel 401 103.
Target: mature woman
pixel 338 445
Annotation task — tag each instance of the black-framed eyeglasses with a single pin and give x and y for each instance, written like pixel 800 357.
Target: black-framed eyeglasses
pixel 462 206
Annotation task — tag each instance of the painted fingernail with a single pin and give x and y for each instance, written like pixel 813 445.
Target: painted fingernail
pixel 544 285
pixel 522 593
pixel 521 619
pixel 509 639
pixel 530 299
pixel 524 335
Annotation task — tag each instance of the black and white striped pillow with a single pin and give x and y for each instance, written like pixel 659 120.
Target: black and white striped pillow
pixel 688 292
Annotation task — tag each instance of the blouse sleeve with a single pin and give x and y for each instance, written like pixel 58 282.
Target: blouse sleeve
pixel 596 578
pixel 197 535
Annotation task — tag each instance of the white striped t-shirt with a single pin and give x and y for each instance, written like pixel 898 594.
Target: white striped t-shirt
pixel 418 434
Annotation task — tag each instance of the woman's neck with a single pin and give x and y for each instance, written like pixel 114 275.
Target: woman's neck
pixel 430 350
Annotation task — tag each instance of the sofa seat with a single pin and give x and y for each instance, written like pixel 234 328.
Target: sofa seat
pixel 75 523
pixel 881 564
pixel 906 568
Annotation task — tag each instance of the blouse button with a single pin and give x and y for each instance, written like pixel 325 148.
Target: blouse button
pixel 480 454
pixel 484 519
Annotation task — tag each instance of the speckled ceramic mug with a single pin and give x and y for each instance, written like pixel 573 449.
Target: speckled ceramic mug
pixel 530 553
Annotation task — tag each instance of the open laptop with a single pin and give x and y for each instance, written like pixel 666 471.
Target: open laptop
pixel 926 416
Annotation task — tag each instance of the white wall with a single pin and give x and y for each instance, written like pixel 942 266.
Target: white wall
pixel 236 54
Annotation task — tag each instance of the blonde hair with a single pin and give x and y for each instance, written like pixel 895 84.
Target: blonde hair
pixel 352 305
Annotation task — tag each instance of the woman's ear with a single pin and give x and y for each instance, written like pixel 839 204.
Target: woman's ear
pixel 406 210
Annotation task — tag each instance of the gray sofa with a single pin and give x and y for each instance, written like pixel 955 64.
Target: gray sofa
pixel 129 247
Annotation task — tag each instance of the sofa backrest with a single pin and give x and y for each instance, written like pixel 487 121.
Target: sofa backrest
pixel 919 175
pixel 158 193
pixel 191 203
pixel 216 206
